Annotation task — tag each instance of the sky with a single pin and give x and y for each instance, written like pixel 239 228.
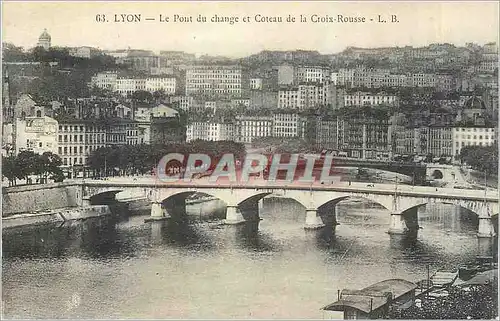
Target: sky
pixel 420 23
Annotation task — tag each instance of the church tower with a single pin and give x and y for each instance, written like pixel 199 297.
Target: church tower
pixel 44 40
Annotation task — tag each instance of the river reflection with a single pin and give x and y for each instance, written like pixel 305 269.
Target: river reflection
pixel 197 268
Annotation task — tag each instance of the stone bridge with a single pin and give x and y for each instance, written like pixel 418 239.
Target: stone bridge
pixel 242 200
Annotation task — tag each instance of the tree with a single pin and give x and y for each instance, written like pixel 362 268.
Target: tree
pixel 142 96
pixel 10 169
pixel 481 158
pixel 159 96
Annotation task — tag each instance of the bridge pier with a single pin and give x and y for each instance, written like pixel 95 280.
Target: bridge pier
pixel 233 215
pixel 486 229
pixel 313 220
pixel 398 224
pixel 158 212
pixel 86 202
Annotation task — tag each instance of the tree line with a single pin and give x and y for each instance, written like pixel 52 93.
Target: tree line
pixel 481 158
pixel 28 163
pixel 143 159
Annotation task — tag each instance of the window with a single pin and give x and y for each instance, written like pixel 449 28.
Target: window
pixel 350 314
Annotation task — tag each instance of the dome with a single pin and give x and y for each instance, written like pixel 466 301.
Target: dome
pixel 474 103
pixel 44 36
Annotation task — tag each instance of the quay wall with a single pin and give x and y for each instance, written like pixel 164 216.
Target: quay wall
pixel 56 216
pixel 40 197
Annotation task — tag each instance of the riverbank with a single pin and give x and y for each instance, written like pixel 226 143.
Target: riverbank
pixel 55 216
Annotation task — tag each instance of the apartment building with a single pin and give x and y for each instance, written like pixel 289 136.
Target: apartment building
pixel 288 125
pixel 37 134
pixel 250 127
pixel 311 74
pixel 214 80
pixel 472 136
pixel 128 85
pixel 78 138
pixel 368 99
pixel 304 96
pixel 212 131
pixel 425 140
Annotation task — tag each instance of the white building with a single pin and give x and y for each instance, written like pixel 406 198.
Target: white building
pixel 186 102
pixel 168 85
pixel 77 139
pixel 288 125
pixel 83 52
pixel 288 98
pixel 256 83
pixel 249 127
pixel 473 136
pixel 105 80
pixel 145 114
pixel 126 85
pixel 368 99
pixel 37 134
pixel 304 96
pixel 212 131
pixel 309 74
pixel 214 80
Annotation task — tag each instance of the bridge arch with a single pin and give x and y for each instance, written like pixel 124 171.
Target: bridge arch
pixel 184 194
pixel 339 199
pixel 437 174
pixel 254 198
pixel 479 208
pixel 386 201
pixel 103 197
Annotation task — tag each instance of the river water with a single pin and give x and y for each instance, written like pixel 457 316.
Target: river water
pixel 126 268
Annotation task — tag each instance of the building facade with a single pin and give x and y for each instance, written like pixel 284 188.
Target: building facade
pixel 214 81
pixel 211 131
pixel 472 136
pixel 250 127
pixel 37 134
pixel 367 99
pixel 288 125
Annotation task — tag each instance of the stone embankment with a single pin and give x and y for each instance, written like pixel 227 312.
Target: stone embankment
pixel 55 216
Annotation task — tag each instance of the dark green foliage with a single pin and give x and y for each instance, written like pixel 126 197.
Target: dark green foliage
pixel 27 163
pixel 481 158
pixel 142 159
pixel 480 302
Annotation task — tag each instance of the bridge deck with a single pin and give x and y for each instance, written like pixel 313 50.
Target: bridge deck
pixel 381 189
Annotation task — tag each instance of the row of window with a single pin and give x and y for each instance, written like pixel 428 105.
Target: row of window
pixel 80 128
pixel 77 150
pixel 486 137
pixel 79 138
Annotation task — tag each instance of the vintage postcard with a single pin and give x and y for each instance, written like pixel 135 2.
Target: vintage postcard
pixel 250 160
